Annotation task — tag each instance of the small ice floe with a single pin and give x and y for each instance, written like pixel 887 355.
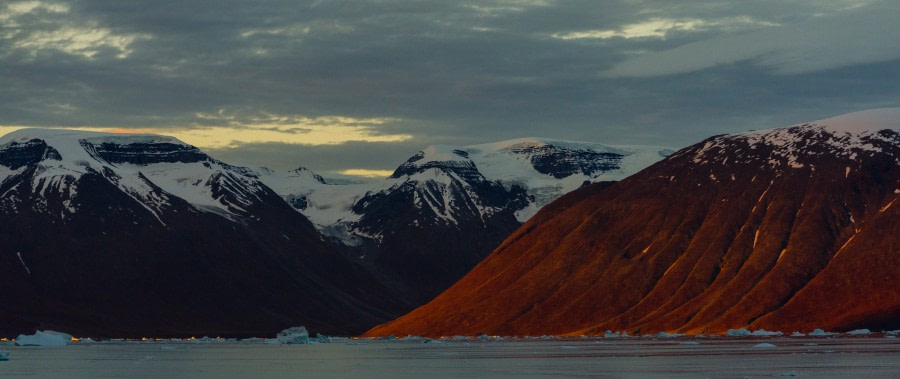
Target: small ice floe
pixel 738 332
pixel 790 373
pixel 668 335
pixel 44 338
pixel 820 333
pixel 859 332
pixel 297 335
pixel 690 343
pixel 4 355
pixel 797 334
pixel 764 346
pixel 892 332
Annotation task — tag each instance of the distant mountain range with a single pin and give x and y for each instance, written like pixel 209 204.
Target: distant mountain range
pixel 785 229
pixel 129 235
pixel 443 210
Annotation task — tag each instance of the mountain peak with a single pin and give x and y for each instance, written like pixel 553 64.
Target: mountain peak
pixel 871 120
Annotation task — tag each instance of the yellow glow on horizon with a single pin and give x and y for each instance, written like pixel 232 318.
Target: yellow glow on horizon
pixel 367 173
pixel 330 130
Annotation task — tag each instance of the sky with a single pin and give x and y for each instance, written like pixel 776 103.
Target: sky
pixel 357 87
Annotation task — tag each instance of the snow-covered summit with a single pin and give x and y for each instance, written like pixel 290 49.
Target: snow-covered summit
pixel 152 169
pixel 867 121
pixel 546 168
pixel 846 136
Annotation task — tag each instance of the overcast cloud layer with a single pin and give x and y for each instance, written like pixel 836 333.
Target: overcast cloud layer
pixel 336 85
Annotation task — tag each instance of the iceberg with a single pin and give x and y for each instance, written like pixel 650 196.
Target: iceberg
pixel 738 332
pixel 765 333
pixel 4 355
pixel 763 346
pixel 44 338
pixel 297 335
pixel 820 333
pixel 859 332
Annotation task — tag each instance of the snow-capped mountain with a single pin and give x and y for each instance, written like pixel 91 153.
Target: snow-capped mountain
pixel 447 207
pixel 128 235
pixel 785 229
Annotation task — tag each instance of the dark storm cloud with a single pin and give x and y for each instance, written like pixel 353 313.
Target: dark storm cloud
pixel 637 72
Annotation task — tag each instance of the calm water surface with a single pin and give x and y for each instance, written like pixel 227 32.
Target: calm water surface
pixel 872 357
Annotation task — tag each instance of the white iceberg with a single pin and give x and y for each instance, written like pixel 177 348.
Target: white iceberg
pixel 859 332
pixel 797 334
pixel 738 332
pixel 4 355
pixel 668 335
pixel 765 333
pixel 820 333
pixel 44 338
pixel 763 346
pixel 610 334
pixel 297 335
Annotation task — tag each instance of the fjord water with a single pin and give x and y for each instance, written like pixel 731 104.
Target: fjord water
pixel 632 357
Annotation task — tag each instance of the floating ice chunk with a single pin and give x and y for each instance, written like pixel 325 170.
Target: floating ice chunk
pixel 690 343
pixel 414 339
pixel 820 333
pixel 790 373
pixel 4 355
pixel 297 335
pixel 763 346
pixel 859 332
pixel 44 338
pixel 610 334
pixel 892 332
pixel 738 332
pixel 668 335
pixel 797 334
pixel 765 333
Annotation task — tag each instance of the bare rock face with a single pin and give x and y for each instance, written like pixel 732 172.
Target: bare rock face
pixel 784 229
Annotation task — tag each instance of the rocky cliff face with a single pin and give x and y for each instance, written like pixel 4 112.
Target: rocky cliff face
pixel 784 229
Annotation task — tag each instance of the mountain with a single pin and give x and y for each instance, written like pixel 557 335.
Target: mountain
pixel 445 208
pixel 784 229
pixel 134 235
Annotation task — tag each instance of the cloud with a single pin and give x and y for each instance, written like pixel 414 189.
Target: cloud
pixel 288 75
pixel 858 36
pixel 57 32
pixel 660 27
